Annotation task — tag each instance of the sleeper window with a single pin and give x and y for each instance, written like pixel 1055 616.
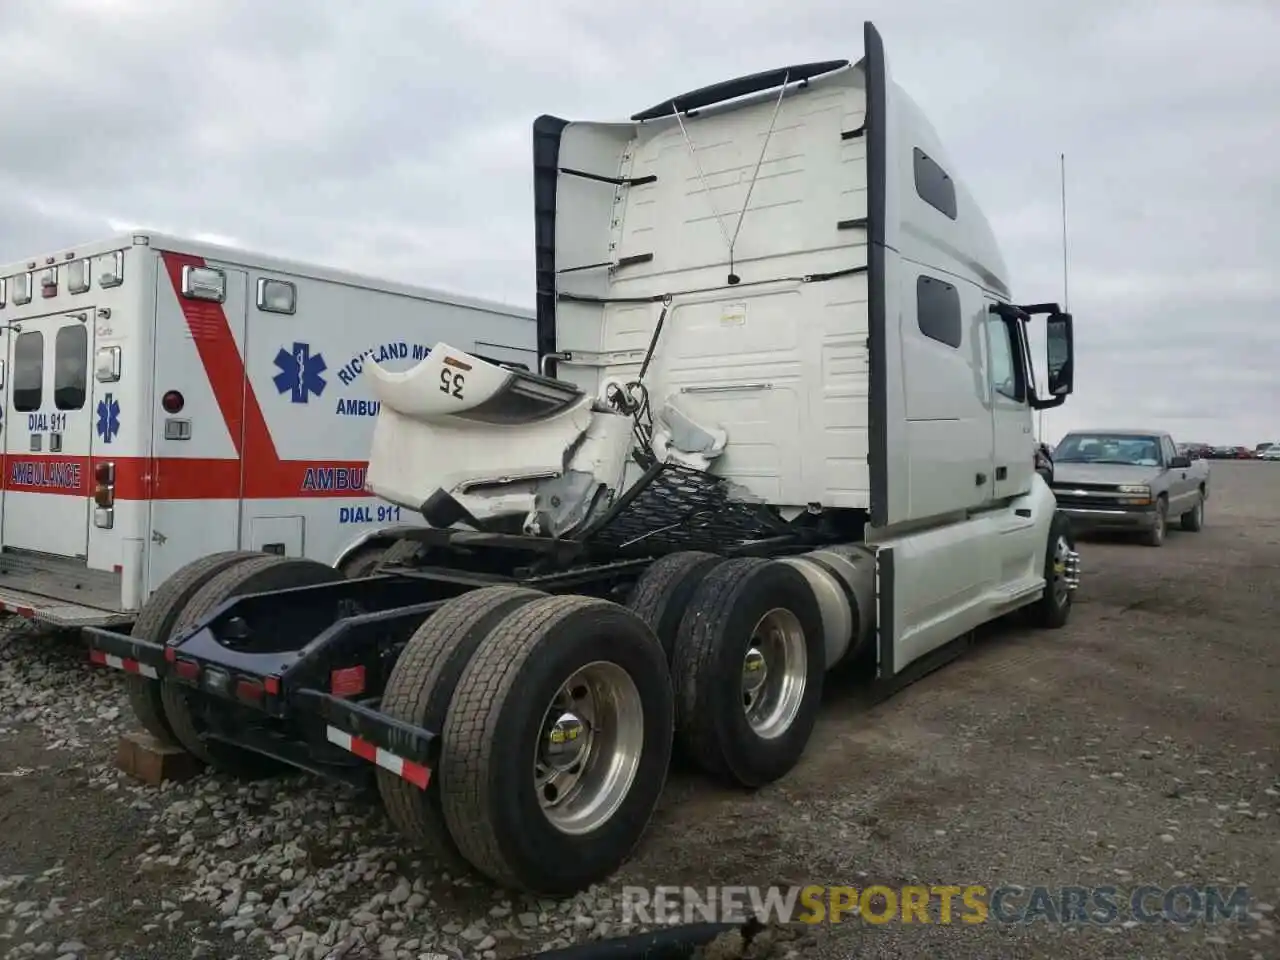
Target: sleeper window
pixel 938 311
pixel 28 371
pixel 70 367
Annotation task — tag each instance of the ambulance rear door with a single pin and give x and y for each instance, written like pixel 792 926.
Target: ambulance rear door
pixel 48 432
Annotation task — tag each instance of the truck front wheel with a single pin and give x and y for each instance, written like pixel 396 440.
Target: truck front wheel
pixel 1160 524
pixel 1054 607
pixel 556 745
pixel 748 670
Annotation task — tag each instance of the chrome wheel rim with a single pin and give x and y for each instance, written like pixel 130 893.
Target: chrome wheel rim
pixel 588 748
pixel 775 672
pixel 1062 557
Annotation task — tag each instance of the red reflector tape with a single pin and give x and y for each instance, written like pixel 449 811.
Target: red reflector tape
pixel 415 773
pixel 122 663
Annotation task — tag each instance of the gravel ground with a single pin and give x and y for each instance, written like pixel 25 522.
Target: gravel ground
pixel 1140 745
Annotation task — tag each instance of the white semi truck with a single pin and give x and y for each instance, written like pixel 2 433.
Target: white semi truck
pixel 782 419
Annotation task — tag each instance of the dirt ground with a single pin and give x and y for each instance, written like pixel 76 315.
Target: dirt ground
pixel 1139 745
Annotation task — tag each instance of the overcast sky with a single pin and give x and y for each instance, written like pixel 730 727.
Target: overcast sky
pixel 392 138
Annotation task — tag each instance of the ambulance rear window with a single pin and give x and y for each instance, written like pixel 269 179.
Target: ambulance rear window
pixel 70 367
pixel 28 371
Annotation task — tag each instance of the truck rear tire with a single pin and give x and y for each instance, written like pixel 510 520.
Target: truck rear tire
pixel 419 691
pixel 156 622
pixel 1054 607
pixel 661 595
pixel 402 552
pixel 1193 519
pixel 748 670
pixel 259 574
pixel 363 563
pixel 580 686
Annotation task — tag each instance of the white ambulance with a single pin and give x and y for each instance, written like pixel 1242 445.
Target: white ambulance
pixel 165 400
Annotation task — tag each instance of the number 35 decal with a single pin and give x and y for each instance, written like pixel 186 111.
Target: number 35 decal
pixel 452 383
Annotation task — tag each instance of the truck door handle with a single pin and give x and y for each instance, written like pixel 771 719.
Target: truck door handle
pixel 980 479
pixel 1002 473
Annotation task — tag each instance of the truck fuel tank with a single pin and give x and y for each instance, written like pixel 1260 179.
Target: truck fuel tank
pixel 843 581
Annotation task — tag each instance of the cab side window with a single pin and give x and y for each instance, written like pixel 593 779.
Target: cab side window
pixel 28 371
pixel 70 367
pixel 1001 370
pixel 1168 449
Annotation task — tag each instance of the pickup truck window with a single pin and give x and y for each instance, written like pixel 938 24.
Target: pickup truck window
pixel 1169 450
pixel 1132 449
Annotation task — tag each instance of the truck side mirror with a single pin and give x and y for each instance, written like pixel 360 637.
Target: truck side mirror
pixel 1061 354
pixel 1179 463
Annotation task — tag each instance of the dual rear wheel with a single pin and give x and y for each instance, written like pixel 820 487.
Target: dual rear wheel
pixel 557 714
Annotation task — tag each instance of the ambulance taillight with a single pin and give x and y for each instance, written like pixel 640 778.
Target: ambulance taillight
pixel 104 494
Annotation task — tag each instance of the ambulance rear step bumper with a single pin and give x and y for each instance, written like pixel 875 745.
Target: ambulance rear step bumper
pixel 297 706
pixel 60 591
pixel 59 613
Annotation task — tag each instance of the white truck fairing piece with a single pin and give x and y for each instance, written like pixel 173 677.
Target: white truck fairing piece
pixel 779 279
pixel 165 399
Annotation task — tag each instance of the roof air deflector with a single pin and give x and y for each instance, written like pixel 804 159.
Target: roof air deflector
pixel 740 87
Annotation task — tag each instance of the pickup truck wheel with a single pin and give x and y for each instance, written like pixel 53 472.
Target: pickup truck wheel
pixel 182 703
pixel 156 622
pixel 1193 519
pixel 556 746
pixel 1054 607
pixel 748 669
pixel 1155 536
pixel 662 593
pixel 419 691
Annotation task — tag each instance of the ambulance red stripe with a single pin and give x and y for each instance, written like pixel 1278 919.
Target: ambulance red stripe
pixel 176 478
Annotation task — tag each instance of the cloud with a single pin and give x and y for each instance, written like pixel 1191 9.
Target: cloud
pixel 393 139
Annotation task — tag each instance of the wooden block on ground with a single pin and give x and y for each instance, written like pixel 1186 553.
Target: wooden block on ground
pixel 145 758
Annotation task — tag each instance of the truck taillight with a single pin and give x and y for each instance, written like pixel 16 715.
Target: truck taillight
pixel 104 494
pixel 187 670
pixel 173 402
pixel 347 681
